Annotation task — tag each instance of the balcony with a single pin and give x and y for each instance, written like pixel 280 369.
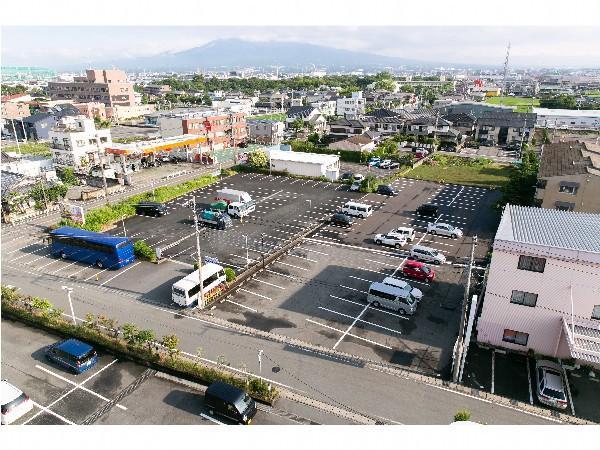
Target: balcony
pixel 583 337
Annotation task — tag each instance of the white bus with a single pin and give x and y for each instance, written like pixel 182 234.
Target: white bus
pixel 187 290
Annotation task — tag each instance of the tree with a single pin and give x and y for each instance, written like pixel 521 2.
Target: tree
pixel 297 124
pixel 146 337
pixel 101 123
pixel 545 136
pixel 67 176
pixel 130 332
pixel 407 88
pixel 313 138
pixel 386 85
pixel 13 90
pixel 520 189
pixel 170 342
pixel 258 159
pixel 562 101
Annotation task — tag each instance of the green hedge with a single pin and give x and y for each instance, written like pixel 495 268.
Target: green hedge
pixel 105 333
pixel 143 250
pixel 98 218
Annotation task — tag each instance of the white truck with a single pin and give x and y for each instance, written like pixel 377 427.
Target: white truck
pixel 240 203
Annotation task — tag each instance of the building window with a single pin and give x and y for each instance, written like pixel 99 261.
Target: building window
pixel 515 337
pixel 531 263
pixel 596 312
pixel 568 189
pixel 523 298
pixel 564 206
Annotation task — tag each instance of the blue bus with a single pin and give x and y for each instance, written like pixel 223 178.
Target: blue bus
pixel 103 250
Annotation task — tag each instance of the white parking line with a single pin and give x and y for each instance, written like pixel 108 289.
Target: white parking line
pixel 374 271
pixel 121 273
pixel 351 326
pixel 96 274
pixel 361 279
pixel 302 257
pixel 83 268
pixel 64 267
pixel 72 390
pixel 240 305
pixel 373 309
pixel 349 334
pixel 353 289
pixel 313 251
pixel 379 262
pixel 280 274
pixel 269 284
pixel 291 265
pixel 45 409
pixel 60 377
pixel 254 293
pixel 360 320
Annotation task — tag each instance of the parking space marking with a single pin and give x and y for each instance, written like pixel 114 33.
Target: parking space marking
pixel 267 283
pixel 312 251
pixel 349 334
pixel 22 248
pixel 60 377
pixel 379 262
pixel 72 390
pixel 32 253
pixel 302 257
pixel 64 267
pixel 121 273
pixel 361 279
pixel 80 270
pixel 280 274
pixel 291 265
pixel 45 409
pixel 374 271
pixel 96 274
pixel 240 305
pixel 254 293
pixel 207 417
pixel 360 320
pixel 353 289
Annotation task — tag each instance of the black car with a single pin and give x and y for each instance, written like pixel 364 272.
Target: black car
pixel 386 189
pixel 347 176
pixel 151 209
pixel 229 401
pixel 429 209
pixel 342 220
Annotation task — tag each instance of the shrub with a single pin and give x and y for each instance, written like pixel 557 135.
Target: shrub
pixel 229 274
pixel 462 416
pixel 259 159
pixel 143 250
pixel 67 176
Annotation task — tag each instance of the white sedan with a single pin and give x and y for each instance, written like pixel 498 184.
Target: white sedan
pixel 407 232
pixel 444 229
pixel 392 240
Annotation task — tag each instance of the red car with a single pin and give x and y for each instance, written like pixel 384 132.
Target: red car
pixel 418 271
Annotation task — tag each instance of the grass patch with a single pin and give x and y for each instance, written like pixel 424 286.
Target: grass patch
pixel 31 148
pixel 455 169
pixel 97 219
pixel 523 104
pixel 279 116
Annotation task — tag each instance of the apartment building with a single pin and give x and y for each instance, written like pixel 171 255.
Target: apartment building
pixel 351 107
pixel 569 177
pixel 110 87
pixel 502 128
pixel 542 292
pixel 268 132
pixel 76 143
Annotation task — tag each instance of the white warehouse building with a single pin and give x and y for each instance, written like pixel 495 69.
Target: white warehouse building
pixel 305 164
pixel 576 119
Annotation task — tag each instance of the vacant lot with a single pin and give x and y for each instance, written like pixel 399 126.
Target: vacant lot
pixel 32 148
pixel 486 175
pixel 523 104
pixel 280 116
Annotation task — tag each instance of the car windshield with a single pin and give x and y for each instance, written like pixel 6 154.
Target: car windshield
pixel 425 269
pixel 243 402
pixel 179 291
pixel 554 394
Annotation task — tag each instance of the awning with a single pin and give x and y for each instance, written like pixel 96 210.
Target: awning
pixel 583 337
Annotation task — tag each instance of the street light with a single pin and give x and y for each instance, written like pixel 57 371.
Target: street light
pixel 123 221
pixel 69 290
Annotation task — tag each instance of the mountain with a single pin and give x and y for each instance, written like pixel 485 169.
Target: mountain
pixel 237 53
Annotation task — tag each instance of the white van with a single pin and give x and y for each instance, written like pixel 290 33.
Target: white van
pixel 428 254
pixel 233 195
pixel 391 297
pixel 401 284
pixel 186 291
pixel 357 209
pixel 238 209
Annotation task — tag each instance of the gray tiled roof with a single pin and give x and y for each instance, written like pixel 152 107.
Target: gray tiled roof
pixel 507 119
pixel 550 228
pixel 300 112
pixel 562 159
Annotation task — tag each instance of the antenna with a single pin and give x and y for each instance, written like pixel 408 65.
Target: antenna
pixel 505 70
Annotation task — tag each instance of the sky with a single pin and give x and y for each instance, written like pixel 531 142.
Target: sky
pixel 537 46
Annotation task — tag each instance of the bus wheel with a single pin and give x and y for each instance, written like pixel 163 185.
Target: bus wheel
pixel 376 304
pixel 99 264
pixel 63 255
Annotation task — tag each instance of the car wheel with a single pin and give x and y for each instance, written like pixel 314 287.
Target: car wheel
pixel 436 262
pixel 432 232
pixel 378 242
pixel 63 255
pixel 454 236
pixel 99 264
pixel 401 311
pixel 397 246
pixel 376 304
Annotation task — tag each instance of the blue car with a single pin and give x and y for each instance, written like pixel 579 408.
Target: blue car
pixel 72 354
pixel 374 161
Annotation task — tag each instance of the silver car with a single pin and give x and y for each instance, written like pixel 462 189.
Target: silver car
pixel 550 384
pixel 444 229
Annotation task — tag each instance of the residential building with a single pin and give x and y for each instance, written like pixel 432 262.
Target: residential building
pixel 463 122
pixel 569 177
pixel 344 128
pixel 476 109
pixel 28 165
pixel 502 128
pixel 352 107
pixel 110 87
pixel 305 164
pixel 267 132
pixel 384 121
pixel 157 89
pixel 243 105
pixel 118 112
pixel 34 127
pixel 76 143
pixel 359 143
pixel 542 291
pixel 92 110
pixel 569 119
pixel 12 110
pixel 311 117
pixel 327 107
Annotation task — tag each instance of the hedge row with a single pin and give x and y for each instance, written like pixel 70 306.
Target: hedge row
pixel 127 342
pixel 99 218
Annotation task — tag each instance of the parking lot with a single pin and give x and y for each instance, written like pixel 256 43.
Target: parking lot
pixel 116 392
pixel 315 292
pixel 512 375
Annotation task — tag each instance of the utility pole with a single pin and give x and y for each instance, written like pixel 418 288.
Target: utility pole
pixel 463 312
pixel 16 137
pixel 69 290
pixel 199 254
pixel 245 236
pixel 44 194
pixel 123 222
pixel 24 133
pixel 102 168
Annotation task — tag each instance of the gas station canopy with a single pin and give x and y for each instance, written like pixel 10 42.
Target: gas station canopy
pixel 155 145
